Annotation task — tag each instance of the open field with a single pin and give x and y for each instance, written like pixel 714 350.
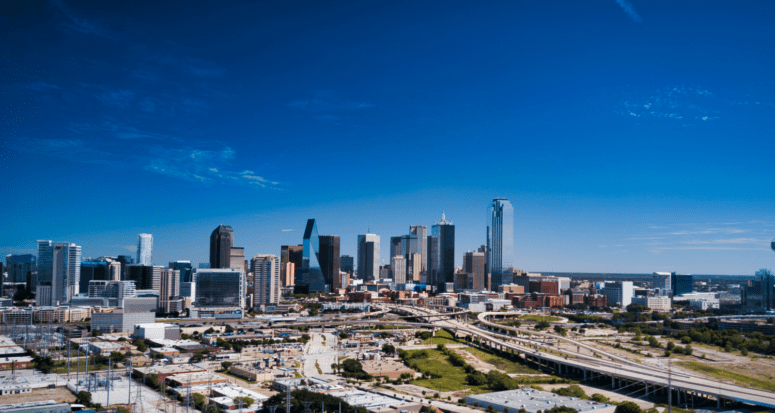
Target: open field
pixel 452 378
pixel 758 378
pixel 501 363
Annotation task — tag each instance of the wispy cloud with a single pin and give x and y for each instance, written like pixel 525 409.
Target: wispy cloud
pixel 80 24
pixel 327 106
pixel 287 230
pixel 712 248
pixel 729 241
pixel 627 7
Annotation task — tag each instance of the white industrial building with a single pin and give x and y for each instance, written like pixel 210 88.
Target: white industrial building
pixel 157 331
pixel 659 303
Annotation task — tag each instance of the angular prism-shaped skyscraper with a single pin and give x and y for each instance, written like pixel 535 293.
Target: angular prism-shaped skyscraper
pixel 310 278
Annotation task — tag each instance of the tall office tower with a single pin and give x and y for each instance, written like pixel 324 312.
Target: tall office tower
pixel 347 264
pixel 21 268
pixel 45 255
pixel 414 268
pixel 421 231
pixel 617 292
pixel 146 277
pixel 145 249
pixel 681 283
pixel 59 267
pixel 185 268
pixel 266 280
pixel 310 279
pixel 93 270
pixel 330 262
pixel 441 254
pixel 368 257
pixel 221 243
pixel 288 274
pixel 237 258
pixel 223 287
pixel 169 288
pixel 662 282
pixel 473 265
pixel 124 260
pixel 398 268
pixel 767 282
pixel 396 247
pixel 290 254
pixel 500 241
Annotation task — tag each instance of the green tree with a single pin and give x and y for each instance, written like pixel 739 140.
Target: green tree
pixel 226 365
pixel 140 345
pixel 246 401
pixel 542 325
pixel 388 348
pixel 83 397
pixel 628 407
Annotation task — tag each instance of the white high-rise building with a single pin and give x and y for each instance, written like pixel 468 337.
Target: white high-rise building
pixel 145 249
pixel 266 280
pixel 398 268
pixel 618 293
pixel 368 257
pixel 60 270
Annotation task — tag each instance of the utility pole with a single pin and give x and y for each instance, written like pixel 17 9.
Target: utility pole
pixel 68 358
pixel 110 363
pixel 669 386
pixel 129 394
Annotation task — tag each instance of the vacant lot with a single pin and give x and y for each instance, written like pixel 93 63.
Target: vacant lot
pixel 501 363
pixel 757 377
pixel 60 394
pixel 452 378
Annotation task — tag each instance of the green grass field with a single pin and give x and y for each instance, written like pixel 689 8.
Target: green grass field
pixel 443 337
pixel 765 380
pixel 502 363
pixel 538 317
pixel 452 378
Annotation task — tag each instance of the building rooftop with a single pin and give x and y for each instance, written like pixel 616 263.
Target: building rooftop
pixel 173 369
pixel 533 400
pixel 41 404
pixel 368 400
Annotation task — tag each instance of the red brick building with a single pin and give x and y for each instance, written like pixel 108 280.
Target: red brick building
pixel 544 287
pixel 595 300
pixel 359 297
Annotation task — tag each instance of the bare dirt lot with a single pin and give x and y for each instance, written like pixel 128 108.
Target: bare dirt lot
pixel 60 394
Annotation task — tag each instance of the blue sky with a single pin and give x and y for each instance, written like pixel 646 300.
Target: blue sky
pixel 631 136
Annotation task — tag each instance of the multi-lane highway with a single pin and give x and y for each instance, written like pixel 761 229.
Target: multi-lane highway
pixel 585 361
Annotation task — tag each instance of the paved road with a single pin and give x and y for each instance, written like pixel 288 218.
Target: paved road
pixel 324 353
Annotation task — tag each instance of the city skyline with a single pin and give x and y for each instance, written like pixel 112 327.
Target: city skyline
pixel 631 139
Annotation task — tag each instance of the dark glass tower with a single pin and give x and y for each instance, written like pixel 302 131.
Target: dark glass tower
pixel 329 260
pixel 682 284
pixel 22 269
pixel 310 278
pixel 185 268
pixel 441 254
pixel 221 242
pixel 500 242
pixel 93 270
pixel 347 264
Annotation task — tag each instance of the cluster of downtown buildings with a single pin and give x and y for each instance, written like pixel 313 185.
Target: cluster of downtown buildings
pixel 126 290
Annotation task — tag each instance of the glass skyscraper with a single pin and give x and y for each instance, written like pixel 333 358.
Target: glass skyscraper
pixel 310 277
pixel 328 256
pixel 441 254
pixel 221 243
pixel 145 249
pixel 500 242
pixel 223 287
